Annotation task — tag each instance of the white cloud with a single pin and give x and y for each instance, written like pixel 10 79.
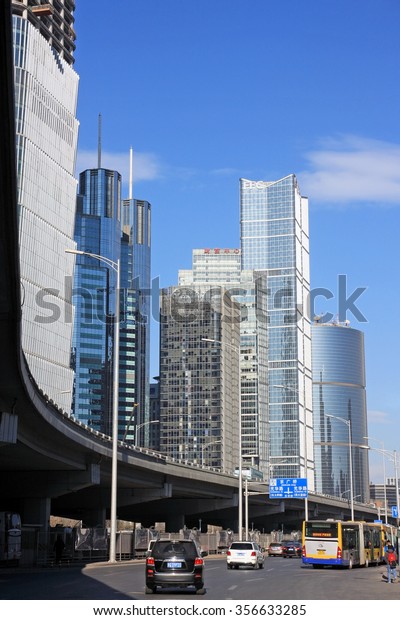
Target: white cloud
pixel 378 417
pixel 145 165
pixel 353 169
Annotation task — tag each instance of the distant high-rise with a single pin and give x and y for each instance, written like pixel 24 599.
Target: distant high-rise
pixel 46 89
pixel 216 268
pixel 275 243
pixel 100 231
pixel 339 401
pixel 97 231
pixel 199 380
pixel 136 242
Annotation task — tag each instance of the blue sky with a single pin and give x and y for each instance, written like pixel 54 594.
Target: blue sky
pixel 208 91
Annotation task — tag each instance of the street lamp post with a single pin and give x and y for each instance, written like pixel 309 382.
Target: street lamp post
pixel 139 426
pixel 384 472
pixel 205 447
pixel 114 461
pixel 392 455
pixel 296 391
pixel 240 498
pixel 348 424
pixel 397 485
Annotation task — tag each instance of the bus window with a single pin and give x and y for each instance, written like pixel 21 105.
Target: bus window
pixel 350 538
pixel 321 529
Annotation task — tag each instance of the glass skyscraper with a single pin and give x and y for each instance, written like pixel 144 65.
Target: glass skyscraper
pixel 199 380
pixel 114 229
pixel 339 400
pixel 136 280
pixel 275 243
pixel 216 268
pixel 97 231
pixel 46 89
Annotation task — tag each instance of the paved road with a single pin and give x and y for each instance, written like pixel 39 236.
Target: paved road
pixel 280 580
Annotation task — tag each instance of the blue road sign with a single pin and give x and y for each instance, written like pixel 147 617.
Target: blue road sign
pixel 395 512
pixel 281 488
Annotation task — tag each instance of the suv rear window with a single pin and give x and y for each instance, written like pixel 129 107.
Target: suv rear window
pixel 240 545
pixel 169 548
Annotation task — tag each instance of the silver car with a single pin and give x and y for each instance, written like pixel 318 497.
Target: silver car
pixel 244 554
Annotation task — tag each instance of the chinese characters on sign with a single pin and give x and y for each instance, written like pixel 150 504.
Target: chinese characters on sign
pixel 221 251
pixel 288 487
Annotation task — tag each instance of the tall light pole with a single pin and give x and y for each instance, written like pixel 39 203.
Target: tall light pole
pixel 138 426
pixel 114 461
pixel 348 424
pixel 396 473
pixel 296 391
pixel 384 471
pixel 240 498
pixel 206 446
pixel 392 455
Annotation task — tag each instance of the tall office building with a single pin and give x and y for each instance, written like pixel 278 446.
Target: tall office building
pixel 199 379
pixel 213 268
pixel 275 243
pixel 136 226
pixel 113 229
pixel 97 231
pixel 46 88
pixel 340 413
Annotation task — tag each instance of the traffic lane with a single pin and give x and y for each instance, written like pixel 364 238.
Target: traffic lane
pixel 282 579
pixel 291 579
pixel 287 579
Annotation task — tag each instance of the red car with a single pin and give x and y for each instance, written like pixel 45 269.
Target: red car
pixel 291 549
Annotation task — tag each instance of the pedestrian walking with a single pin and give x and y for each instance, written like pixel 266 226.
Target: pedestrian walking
pixel 58 549
pixel 391 563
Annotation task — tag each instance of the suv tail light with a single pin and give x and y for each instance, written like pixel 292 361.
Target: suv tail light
pixel 150 562
pixel 253 553
pixel 228 553
pixel 198 562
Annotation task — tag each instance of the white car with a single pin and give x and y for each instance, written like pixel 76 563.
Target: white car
pixel 244 554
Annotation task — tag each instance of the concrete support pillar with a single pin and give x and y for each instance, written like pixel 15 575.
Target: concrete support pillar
pixel 175 523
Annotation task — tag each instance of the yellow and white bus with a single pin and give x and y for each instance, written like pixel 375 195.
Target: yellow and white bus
pixel 344 543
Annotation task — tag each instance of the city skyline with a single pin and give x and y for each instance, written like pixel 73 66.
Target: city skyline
pixel 221 92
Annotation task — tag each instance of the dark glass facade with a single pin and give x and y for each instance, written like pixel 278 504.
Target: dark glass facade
pixel 199 380
pixel 113 229
pixel 97 231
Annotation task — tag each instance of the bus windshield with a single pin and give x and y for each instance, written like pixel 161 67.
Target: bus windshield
pixel 321 529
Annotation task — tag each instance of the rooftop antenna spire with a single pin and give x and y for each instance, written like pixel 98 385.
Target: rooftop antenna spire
pixel 99 143
pixel 130 195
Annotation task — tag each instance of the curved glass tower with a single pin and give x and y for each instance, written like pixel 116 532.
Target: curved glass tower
pixel 339 404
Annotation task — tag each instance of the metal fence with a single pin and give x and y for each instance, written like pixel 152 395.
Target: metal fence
pixel 84 545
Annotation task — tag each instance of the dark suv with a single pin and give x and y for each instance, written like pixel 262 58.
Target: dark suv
pixel 174 563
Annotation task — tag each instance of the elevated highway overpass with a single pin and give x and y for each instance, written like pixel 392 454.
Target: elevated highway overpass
pixel 51 464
